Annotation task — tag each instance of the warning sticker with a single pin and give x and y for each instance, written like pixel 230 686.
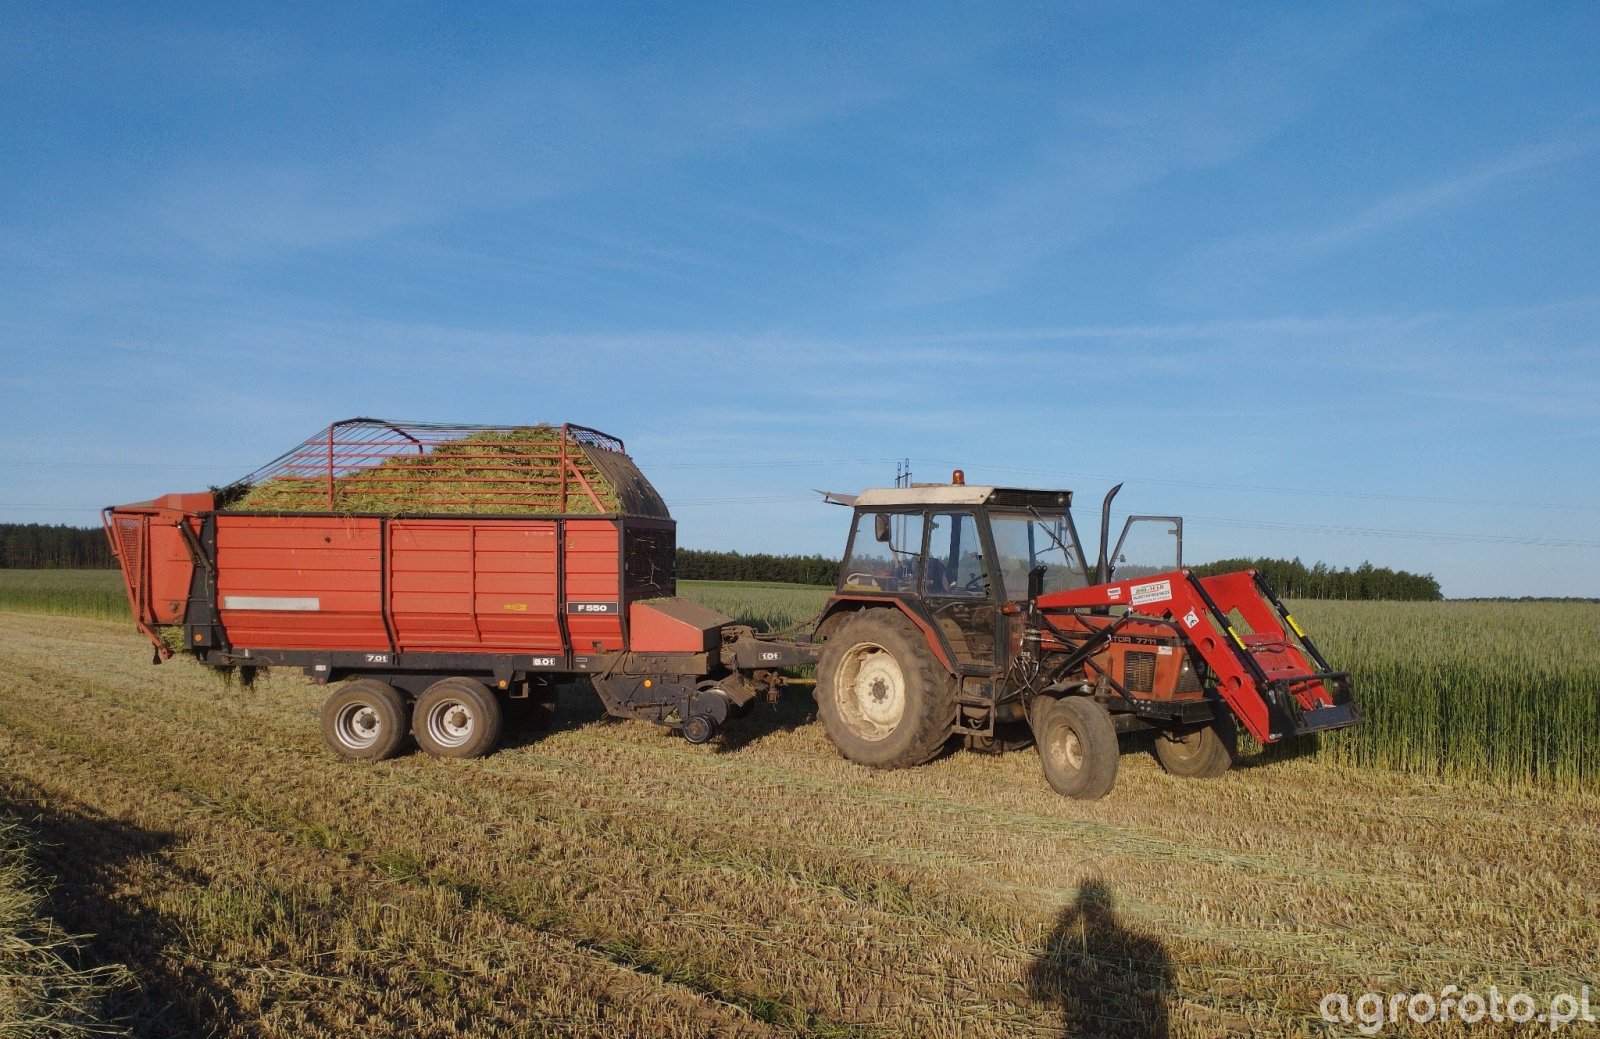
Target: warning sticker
pixel 1113 593
pixel 1155 591
pixel 1190 619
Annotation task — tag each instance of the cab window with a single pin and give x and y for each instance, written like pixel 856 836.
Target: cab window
pixel 956 564
pixel 884 552
pixel 1024 542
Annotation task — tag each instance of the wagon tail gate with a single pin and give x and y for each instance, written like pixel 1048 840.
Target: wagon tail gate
pixel 157 545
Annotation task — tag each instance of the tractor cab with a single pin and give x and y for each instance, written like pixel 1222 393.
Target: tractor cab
pixel 974 612
pixel 966 559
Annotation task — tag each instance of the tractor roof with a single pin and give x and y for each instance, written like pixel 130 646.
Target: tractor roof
pixel 962 494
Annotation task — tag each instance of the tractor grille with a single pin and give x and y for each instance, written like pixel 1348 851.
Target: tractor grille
pixel 1188 679
pixel 1139 672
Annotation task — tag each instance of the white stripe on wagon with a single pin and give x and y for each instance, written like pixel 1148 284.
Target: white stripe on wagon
pixel 269 602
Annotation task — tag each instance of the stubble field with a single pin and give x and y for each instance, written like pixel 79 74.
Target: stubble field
pixel 608 879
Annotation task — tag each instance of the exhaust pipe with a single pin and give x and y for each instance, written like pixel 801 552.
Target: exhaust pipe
pixel 1103 568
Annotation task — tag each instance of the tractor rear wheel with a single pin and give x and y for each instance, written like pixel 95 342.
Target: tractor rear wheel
pixel 1201 753
pixel 1077 747
pixel 885 700
pixel 457 718
pixel 365 720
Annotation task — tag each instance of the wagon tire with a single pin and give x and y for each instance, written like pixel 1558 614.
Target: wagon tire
pixel 457 718
pixel 1077 747
pixel 1204 752
pixel 884 699
pixel 365 720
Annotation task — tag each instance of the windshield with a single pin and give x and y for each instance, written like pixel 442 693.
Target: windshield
pixel 1038 539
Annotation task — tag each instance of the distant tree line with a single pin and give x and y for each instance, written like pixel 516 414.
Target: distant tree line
pixel 1292 579
pixel 35 546
pixel 697 565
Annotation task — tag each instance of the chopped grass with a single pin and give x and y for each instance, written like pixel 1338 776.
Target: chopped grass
pixel 494 471
pixel 42 990
pixel 609 879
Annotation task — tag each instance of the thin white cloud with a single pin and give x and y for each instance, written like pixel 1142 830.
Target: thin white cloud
pixel 1413 203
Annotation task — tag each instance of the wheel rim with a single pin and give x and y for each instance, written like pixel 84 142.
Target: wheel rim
pixel 451 723
pixel 1065 748
pixel 870 690
pixel 358 726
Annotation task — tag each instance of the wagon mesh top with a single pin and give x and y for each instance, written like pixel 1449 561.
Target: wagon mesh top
pixel 368 465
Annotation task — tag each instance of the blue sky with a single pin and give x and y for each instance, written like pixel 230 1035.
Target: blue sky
pixel 1323 279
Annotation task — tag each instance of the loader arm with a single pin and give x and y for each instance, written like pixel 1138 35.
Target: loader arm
pixel 1267 670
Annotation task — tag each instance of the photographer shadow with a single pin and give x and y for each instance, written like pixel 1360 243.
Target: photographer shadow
pixel 1107 980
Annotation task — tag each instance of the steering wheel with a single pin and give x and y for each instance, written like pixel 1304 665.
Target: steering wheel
pixel 977 583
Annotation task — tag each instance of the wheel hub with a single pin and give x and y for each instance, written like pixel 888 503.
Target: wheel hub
pixel 358 726
pixel 451 724
pixel 1072 750
pixel 871 691
pixel 1065 747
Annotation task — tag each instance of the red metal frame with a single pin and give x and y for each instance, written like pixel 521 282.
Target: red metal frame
pixel 395 458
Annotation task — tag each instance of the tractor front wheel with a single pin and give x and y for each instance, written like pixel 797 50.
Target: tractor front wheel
pixel 1077 747
pixel 885 700
pixel 1201 753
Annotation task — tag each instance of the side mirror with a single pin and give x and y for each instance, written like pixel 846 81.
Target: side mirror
pixel 880 526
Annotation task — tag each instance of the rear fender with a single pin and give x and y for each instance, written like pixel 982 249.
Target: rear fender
pixel 841 607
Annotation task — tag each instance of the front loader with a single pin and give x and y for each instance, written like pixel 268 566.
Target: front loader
pixel 972 611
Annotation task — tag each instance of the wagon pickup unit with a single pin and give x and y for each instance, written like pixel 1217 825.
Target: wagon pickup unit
pixel 440 577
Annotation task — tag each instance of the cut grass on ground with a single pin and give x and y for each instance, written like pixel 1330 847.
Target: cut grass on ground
pixel 609 879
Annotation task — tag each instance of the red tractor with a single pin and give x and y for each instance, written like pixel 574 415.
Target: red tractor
pixel 973 611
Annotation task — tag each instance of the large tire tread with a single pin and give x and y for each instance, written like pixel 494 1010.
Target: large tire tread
pixel 342 731
pixel 475 697
pixel 930 692
pixel 1206 753
pixel 1097 747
